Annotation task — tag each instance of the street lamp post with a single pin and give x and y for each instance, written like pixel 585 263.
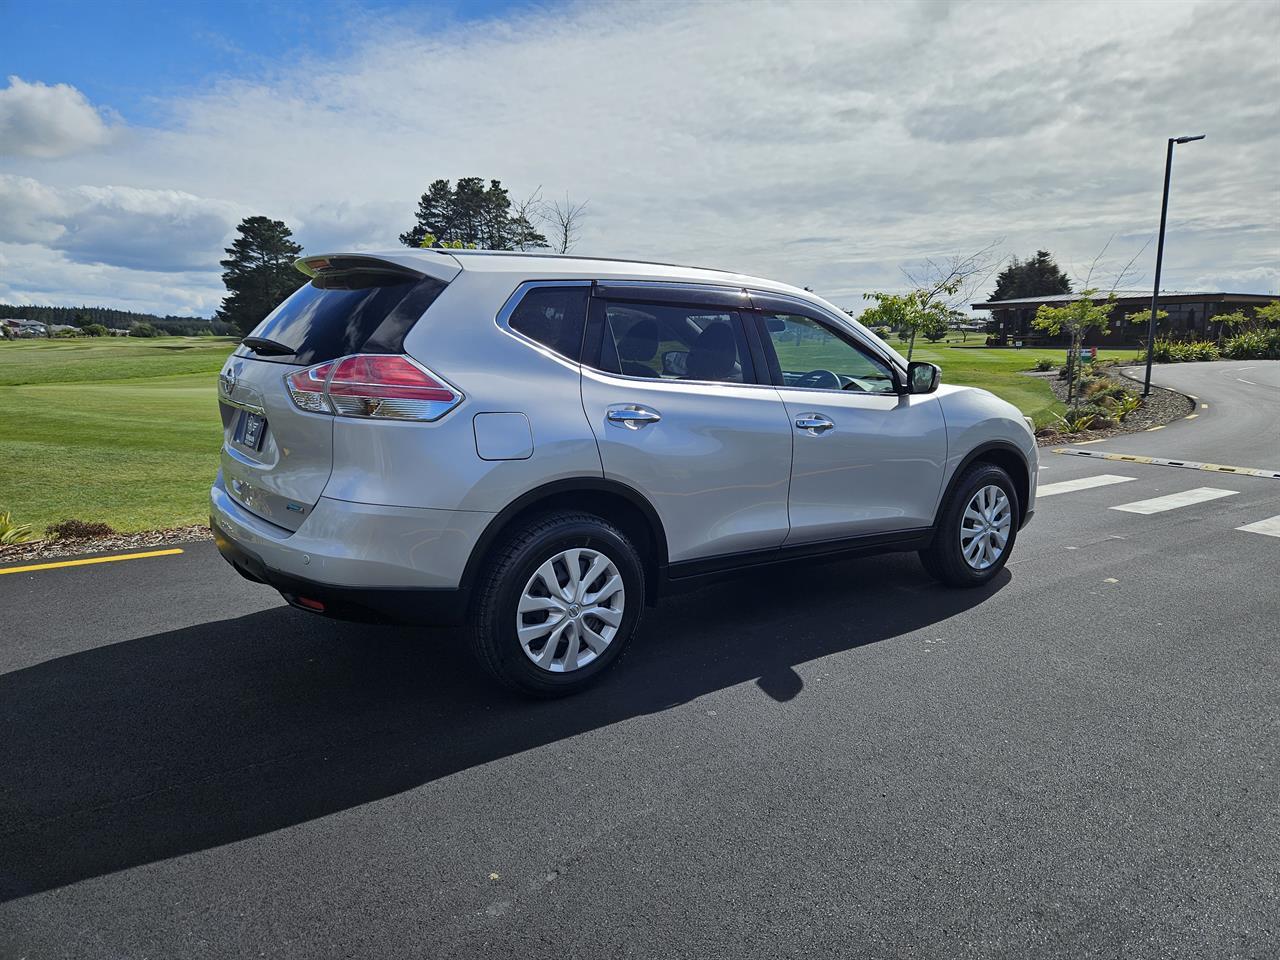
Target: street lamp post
pixel 1155 295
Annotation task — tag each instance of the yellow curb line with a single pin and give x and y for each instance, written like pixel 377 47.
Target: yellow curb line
pixel 1191 416
pixel 85 563
pixel 1163 462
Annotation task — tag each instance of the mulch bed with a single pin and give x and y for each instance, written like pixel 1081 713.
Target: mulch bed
pixel 39 550
pixel 1161 407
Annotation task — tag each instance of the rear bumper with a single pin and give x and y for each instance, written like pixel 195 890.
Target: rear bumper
pixel 442 607
pixel 359 561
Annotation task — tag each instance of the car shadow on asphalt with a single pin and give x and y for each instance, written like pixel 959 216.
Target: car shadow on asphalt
pixel 156 747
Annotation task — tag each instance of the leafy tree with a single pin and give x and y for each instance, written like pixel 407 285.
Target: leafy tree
pixel 472 215
pixel 938 288
pixel 95 330
pixel 1038 277
pixel 1268 316
pixel 259 272
pixel 145 330
pixel 1076 319
pixel 1140 317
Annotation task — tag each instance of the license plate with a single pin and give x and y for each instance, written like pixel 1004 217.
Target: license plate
pixel 252 427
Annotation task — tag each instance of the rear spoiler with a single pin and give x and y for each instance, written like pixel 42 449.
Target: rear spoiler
pixel 437 264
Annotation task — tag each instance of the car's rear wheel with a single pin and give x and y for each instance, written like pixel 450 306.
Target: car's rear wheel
pixel 558 604
pixel 976 530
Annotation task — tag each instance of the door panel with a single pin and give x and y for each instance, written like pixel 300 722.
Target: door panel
pixel 876 469
pixel 713 455
pixel 866 459
pixel 715 465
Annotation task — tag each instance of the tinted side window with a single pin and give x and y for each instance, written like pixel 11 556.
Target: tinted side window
pixel 667 341
pixel 351 312
pixel 813 357
pixel 553 317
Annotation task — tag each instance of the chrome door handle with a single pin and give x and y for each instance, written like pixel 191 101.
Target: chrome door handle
pixel 815 423
pixel 633 416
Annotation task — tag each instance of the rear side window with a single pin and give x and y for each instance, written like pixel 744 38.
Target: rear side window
pixel 671 342
pixel 359 311
pixel 554 317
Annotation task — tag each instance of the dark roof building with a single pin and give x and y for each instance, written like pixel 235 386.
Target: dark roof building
pixel 1190 316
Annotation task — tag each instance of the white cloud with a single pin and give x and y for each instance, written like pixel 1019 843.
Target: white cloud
pixel 153 230
pixel 822 144
pixel 39 120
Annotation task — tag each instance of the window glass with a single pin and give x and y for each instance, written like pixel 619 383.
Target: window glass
pixel 360 311
pixel 813 357
pixel 671 342
pixel 554 317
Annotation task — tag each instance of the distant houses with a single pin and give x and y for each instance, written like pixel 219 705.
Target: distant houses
pixel 15 327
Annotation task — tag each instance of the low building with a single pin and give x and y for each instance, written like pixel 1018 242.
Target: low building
pixel 18 327
pixel 1191 317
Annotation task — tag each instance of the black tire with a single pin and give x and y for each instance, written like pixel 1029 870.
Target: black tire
pixel 494 606
pixel 943 559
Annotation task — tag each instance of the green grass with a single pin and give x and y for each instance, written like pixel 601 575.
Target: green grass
pixel 122 431
pixel 127 432
pixel 1002 371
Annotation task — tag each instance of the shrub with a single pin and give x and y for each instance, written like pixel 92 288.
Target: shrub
pixel 11 532
pixel 1044 364
pixel 78 530
pixel 68 334
pixel 145 330
pixel 1125 404
pixel 1183 351
pixel 95 330
pixel 1254 345
pixel 1095 387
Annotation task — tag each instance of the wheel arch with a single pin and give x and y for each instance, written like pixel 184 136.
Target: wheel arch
pixel 1003 454
pixel 620 504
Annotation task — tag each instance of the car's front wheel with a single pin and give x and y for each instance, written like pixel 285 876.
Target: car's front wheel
pixel 976 530
pixel 558 604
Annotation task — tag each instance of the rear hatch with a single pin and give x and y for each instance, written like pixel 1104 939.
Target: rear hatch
pixel 276 455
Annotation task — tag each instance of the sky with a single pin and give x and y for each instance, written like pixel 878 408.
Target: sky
pixel 828 145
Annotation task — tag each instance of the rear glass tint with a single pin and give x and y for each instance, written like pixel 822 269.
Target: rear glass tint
pixel 352 312
pixel 553 316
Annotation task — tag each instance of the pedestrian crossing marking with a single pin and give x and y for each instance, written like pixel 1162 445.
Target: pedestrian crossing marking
pixel 1268 528
pixel 1175 500
pixel 1165 462
pixel 1084 483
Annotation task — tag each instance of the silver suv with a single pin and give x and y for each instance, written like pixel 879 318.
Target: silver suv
pixel 540 446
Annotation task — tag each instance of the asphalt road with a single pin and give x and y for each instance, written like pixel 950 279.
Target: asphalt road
pixel 1081 760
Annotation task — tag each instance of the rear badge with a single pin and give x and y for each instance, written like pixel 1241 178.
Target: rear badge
pixel 296 507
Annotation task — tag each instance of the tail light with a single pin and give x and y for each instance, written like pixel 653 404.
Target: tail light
pixel 307 388
pixel 382 386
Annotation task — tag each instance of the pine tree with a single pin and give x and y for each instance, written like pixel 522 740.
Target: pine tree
pixel 471 215
pixel 259 272
pixel 1037 277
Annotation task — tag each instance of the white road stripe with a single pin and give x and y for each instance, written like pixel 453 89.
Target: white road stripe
pixel 1084 483
pixel 1270 527
pixel 1175 500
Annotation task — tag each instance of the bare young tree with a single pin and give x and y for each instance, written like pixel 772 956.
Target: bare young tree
pixel 938 288
pixel 564 222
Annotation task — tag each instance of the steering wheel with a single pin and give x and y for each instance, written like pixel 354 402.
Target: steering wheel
pixel 819 380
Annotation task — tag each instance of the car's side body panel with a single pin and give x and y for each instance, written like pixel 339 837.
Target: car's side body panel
pixel 978 420
pixel 715 467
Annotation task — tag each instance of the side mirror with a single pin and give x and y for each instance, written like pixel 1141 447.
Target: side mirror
pixel 675 363
pixel 775 324
pixel 922 377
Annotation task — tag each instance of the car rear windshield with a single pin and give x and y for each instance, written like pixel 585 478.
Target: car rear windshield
pixel 358 311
